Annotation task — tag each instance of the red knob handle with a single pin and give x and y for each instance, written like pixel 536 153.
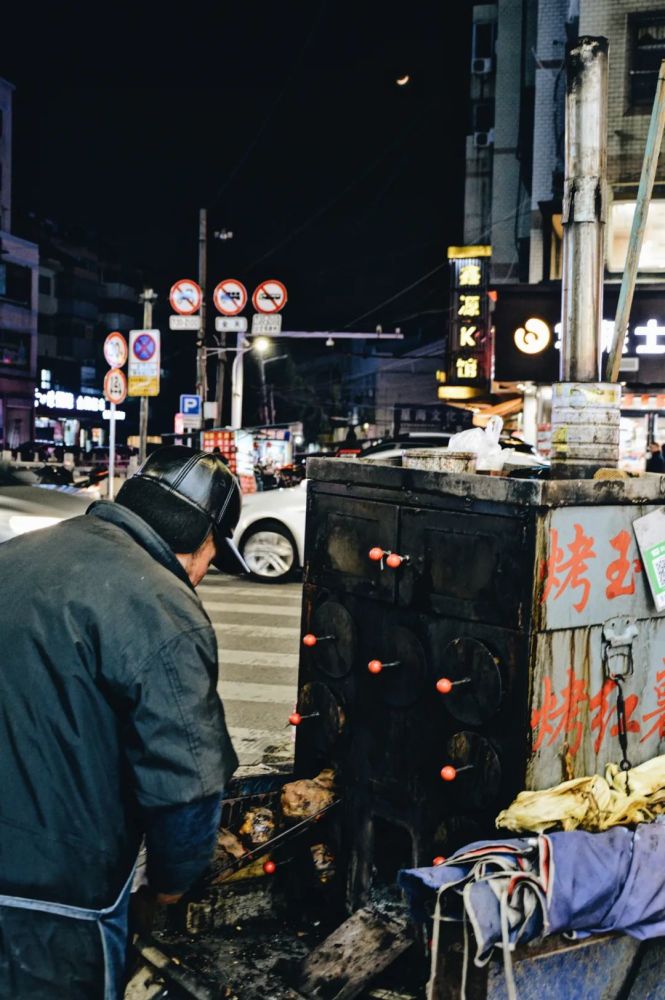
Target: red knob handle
pixel 444 685
pixel 438 860
pixel 395 561
pixel 269 867
pixel 376 666
pixel 296 718
pixel 449 773
pixel 311 640
pixel 376 554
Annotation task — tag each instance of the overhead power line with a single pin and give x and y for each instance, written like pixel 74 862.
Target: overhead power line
pixel 295 66
pixel 413 124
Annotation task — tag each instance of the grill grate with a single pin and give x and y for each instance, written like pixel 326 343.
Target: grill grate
pixel 234 809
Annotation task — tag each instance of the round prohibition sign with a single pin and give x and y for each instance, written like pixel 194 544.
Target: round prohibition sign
pixel 115 386
pixel 270 296
pixel 185 297
pixel 115 349
pixel 230 297
pixel 144 347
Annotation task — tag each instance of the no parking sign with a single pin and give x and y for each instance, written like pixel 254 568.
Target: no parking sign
pixel 144 363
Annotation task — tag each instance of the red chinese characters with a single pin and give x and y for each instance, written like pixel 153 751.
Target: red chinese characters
pixel 605 709
pixel 572 711
pixel 572 573
pixel 621 572
pixel 566 715
pixel 658 714
pixel 560 573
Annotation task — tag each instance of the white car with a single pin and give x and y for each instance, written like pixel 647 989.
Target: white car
pixel 271 532
pixel 25 505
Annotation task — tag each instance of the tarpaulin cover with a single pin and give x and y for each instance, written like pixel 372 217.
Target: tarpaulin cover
pixel 515 890
pixel 593 803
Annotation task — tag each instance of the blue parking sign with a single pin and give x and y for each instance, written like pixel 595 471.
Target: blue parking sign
pixel 190 406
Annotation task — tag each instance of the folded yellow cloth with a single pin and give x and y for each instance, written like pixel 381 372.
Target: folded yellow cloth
pixel 594 803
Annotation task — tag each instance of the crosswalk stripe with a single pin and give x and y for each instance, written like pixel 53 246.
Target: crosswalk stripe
pixel 244 733
pixel 275 694
pixel 254 609
pixel 248 658
pixel 258 631
pixel 260 596
pixel 241 583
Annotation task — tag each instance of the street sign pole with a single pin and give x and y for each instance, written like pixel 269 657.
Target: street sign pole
pixel 229 297
pixel 148 298
pixel 201 366
pixel 237 382
pixel 112 450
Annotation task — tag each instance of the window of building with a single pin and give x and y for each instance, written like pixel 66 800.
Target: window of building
pixel 647 49
pixel 482 47
pixel 45 284
pixel 482 116
pixel 45 378
pixel 652 257
pixel 16 283
pixel 14 350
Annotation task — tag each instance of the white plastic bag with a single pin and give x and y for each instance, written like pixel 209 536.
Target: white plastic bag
pixel 482 442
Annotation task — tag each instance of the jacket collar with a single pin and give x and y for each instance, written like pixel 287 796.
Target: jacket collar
pixel 141 532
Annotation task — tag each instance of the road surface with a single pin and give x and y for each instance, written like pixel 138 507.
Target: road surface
pixel 258 632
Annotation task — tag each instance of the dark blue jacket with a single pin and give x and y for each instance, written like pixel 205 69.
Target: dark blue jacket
pixel 109 715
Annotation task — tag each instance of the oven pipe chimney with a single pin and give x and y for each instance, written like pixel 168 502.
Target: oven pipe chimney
pixel 585 412
pixel 584 210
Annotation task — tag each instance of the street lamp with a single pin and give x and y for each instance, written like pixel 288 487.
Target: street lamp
pixel 261 345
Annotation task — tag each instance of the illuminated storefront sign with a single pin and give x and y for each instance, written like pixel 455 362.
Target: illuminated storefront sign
pixel 58 399
pixel 469 363
pixel 533 337
pixel 527 343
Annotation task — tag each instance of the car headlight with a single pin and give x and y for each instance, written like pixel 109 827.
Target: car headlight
pixel 19 524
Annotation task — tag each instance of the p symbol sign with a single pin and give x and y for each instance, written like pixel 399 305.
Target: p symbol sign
pixel 190 406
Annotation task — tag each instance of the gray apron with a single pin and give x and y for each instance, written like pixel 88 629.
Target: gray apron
pixel 112 924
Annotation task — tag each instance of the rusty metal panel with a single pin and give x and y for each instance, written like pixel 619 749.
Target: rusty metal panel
pixel 465 565
pixel 573 718
pixel 340 533
pixel 588 567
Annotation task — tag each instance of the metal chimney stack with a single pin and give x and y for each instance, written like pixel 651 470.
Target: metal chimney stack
pixel 585 412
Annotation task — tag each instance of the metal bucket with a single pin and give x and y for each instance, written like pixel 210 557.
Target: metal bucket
pixel 439 460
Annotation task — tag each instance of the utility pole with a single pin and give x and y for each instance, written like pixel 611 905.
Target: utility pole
pixel 147 298
pixel 265 415
pixel 201 366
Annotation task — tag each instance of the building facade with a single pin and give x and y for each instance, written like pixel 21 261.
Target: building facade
pixel 19 261
pixel 81 298
pixel 514 187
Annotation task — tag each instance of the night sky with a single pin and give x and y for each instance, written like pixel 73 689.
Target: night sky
pixel 283 119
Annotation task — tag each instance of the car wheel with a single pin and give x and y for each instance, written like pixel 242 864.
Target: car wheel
pixel 270 552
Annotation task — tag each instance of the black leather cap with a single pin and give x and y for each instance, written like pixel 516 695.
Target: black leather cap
pixel 204 483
